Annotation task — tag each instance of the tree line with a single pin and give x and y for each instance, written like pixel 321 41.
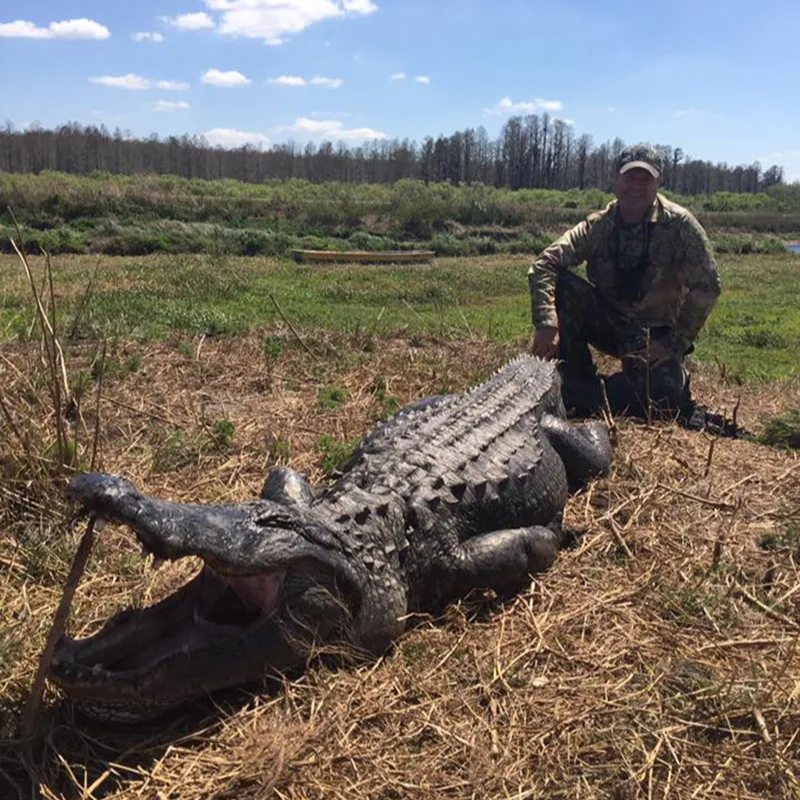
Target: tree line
pixel 531 152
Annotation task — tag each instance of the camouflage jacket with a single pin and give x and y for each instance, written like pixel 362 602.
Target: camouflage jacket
pixel 660 272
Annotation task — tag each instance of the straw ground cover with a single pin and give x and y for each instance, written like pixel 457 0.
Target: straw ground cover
pixel 658 658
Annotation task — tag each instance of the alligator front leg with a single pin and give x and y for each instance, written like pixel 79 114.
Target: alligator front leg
pixel 503 560
pixel 585 449
pixel 284 485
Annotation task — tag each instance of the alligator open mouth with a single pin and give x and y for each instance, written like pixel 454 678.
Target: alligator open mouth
pixel 261 599
pixel 145 661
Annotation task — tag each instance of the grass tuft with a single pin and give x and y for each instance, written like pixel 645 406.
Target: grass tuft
pixel 783 430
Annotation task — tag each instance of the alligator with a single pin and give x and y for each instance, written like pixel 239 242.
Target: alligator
pixel 453 494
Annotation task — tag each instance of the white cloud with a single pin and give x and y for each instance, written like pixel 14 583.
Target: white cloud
pixel 68 29
pixel 228 80
pixel 422 79
pixel 191 22
pixel 147 36
pixel 564 121
pixel 129 81
pixel 288 80
pixel 398 76
pixel 229 137
pixel 170 105
pixel 312 126
pixel 271 20
pixel 172 86
pixel 513 108
pixel 507 106
pixel 133 81
pixel 79 29
pixel 296 80
pixel 21 29
pixel 359 6
pixel 549 105
pixel 330 83
pixel 331 129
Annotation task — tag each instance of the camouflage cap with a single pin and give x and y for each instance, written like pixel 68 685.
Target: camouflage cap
pixel 642 156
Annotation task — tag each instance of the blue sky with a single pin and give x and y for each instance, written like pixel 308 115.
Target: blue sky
pixel 718 79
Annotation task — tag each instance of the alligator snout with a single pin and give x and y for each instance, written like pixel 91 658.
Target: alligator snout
pixel 102 494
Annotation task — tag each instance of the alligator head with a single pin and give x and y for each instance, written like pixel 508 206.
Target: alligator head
pixel 275 585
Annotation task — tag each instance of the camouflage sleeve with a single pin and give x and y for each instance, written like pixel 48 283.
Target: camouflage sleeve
pixel 703 285
pixel 565 253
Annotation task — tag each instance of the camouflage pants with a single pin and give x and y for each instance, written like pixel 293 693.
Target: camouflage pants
pixel 585 318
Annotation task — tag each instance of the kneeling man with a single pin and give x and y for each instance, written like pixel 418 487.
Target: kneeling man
pixel 652 284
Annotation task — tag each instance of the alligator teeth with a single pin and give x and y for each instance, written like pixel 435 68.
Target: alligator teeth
pixel 97 669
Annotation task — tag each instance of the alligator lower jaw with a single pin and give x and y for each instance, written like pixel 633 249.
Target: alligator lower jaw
pixel 144 662
pixel 124 713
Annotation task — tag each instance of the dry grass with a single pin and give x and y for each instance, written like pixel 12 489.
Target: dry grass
pixel 659 658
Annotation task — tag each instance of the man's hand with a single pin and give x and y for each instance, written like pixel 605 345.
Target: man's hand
pixel 545 343
pixel 656 354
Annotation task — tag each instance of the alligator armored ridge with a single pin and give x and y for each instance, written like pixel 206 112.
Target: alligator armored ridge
pixel 452 494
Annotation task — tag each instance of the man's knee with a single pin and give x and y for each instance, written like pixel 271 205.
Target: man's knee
pixel 573 294
pixel 583 317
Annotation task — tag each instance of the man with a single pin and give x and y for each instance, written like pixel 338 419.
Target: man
pixel 652 283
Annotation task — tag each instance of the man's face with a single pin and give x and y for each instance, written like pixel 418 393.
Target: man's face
pixel 636 190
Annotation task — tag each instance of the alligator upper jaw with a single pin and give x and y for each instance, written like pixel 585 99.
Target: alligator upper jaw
pixel 146 661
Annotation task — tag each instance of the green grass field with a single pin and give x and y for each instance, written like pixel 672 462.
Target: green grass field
pixel 754 330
